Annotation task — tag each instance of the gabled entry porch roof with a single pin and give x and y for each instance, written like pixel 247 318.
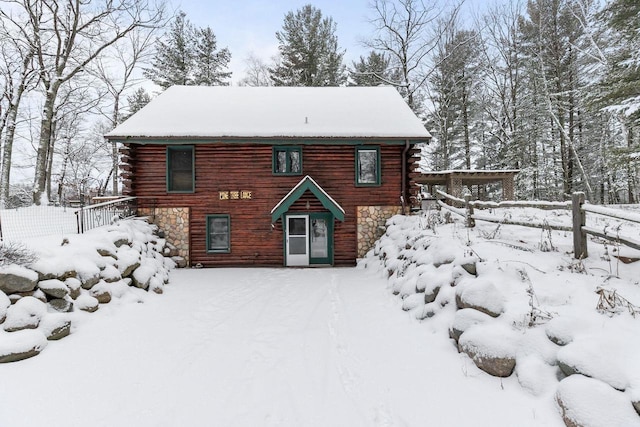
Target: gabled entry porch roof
pixel 307 183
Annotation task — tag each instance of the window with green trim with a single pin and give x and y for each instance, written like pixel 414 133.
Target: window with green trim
pixel 218 233
pixel 287 160
pixel 367 166
pixel 180 174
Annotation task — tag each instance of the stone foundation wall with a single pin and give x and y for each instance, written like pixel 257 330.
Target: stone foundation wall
pixel 175 224
pixel 371 222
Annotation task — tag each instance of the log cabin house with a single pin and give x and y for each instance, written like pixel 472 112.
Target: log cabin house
pixel 271 176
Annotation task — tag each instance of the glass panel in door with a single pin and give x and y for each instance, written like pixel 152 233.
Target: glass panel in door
pixel 319 238
pixel 297 239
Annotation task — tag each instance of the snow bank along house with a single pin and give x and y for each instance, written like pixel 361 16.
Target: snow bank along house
pixel 292 176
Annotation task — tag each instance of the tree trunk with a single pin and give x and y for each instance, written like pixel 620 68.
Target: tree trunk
pixel 630 168
pixel 63 171
pixel 44 143
pixel 465 124
pixel 7 150
pixel 50 154
pixel 114 148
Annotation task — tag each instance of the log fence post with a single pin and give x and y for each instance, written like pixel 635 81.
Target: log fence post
pixel 579 220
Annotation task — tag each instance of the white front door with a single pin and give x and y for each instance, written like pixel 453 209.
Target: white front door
pixel 297 240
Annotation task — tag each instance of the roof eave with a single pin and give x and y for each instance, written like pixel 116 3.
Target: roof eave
pixel 258 138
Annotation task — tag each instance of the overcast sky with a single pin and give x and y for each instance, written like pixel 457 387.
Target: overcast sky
pixel 246 26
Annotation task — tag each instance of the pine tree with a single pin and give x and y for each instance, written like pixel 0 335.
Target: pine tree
pixel 309 53
pixel 551 34
pixel 620 89
pixel 137 100
pixel 174 59
pixel 210 64
pixel 188 56
pixel 373 70
pixel 617 96
pixel 454 84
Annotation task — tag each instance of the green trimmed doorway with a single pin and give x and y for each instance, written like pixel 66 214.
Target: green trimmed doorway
pixel 308 239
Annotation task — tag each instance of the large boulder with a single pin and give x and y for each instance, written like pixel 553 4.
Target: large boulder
pixel 481 295
pixel 536 376
pixel 588 402
pixel 26 313
pixel 492 347
pixel 62 305
pixel 561 330
pixel 21 345
pixel 170 250
pixel 110 274
pixel 55 326
pixel 86 302
pixel 15 279
pixel 128 260
pixel 119 238
pixel 635 399
pixel 101 292
pixel 464 319
pixel 431 293
pixel 74 285
pixel 54 288
pixel 156 284
pixel 89 275
pixel 53 268
pixel 605 357
pixel 412 301
pixel 180 262
pixel 5 302
pixel 143 274
pixel 107 251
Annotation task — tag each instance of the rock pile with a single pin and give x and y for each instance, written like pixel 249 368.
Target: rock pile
pixel 491 314
pixel 36 301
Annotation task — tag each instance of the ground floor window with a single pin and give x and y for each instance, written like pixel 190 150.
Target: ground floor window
pixel 218 233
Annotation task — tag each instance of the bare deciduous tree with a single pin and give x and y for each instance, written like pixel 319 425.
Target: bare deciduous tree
pixel 67 37
pixel 116 69
pixel 407 32
pixel 256 71
pixel 17 77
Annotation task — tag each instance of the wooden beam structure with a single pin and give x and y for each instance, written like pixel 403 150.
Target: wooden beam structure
pixel 455 180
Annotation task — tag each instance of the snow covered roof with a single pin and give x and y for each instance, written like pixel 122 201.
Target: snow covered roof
pixel 271 112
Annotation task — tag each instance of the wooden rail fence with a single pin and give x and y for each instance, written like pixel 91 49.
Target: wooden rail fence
pixel 577 205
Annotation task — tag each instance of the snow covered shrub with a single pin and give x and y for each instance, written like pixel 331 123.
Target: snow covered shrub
pixel 536 315
pixel 16 253
pixel 430 219
pixel 546 244
pixel 575 266
pixel 611 303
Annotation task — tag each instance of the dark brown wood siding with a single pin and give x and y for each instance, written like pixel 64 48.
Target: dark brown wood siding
pixel 247 167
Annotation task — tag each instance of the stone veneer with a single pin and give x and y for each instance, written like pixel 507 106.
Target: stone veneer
pixel 371 225
pixel 175 224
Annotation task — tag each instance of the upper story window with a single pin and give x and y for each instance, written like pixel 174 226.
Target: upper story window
pixel 367 166
pixel 180 173
pixel 287 160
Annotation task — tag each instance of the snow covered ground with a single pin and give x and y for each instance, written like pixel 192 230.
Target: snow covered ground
pixel 333 347
pixel 260 347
